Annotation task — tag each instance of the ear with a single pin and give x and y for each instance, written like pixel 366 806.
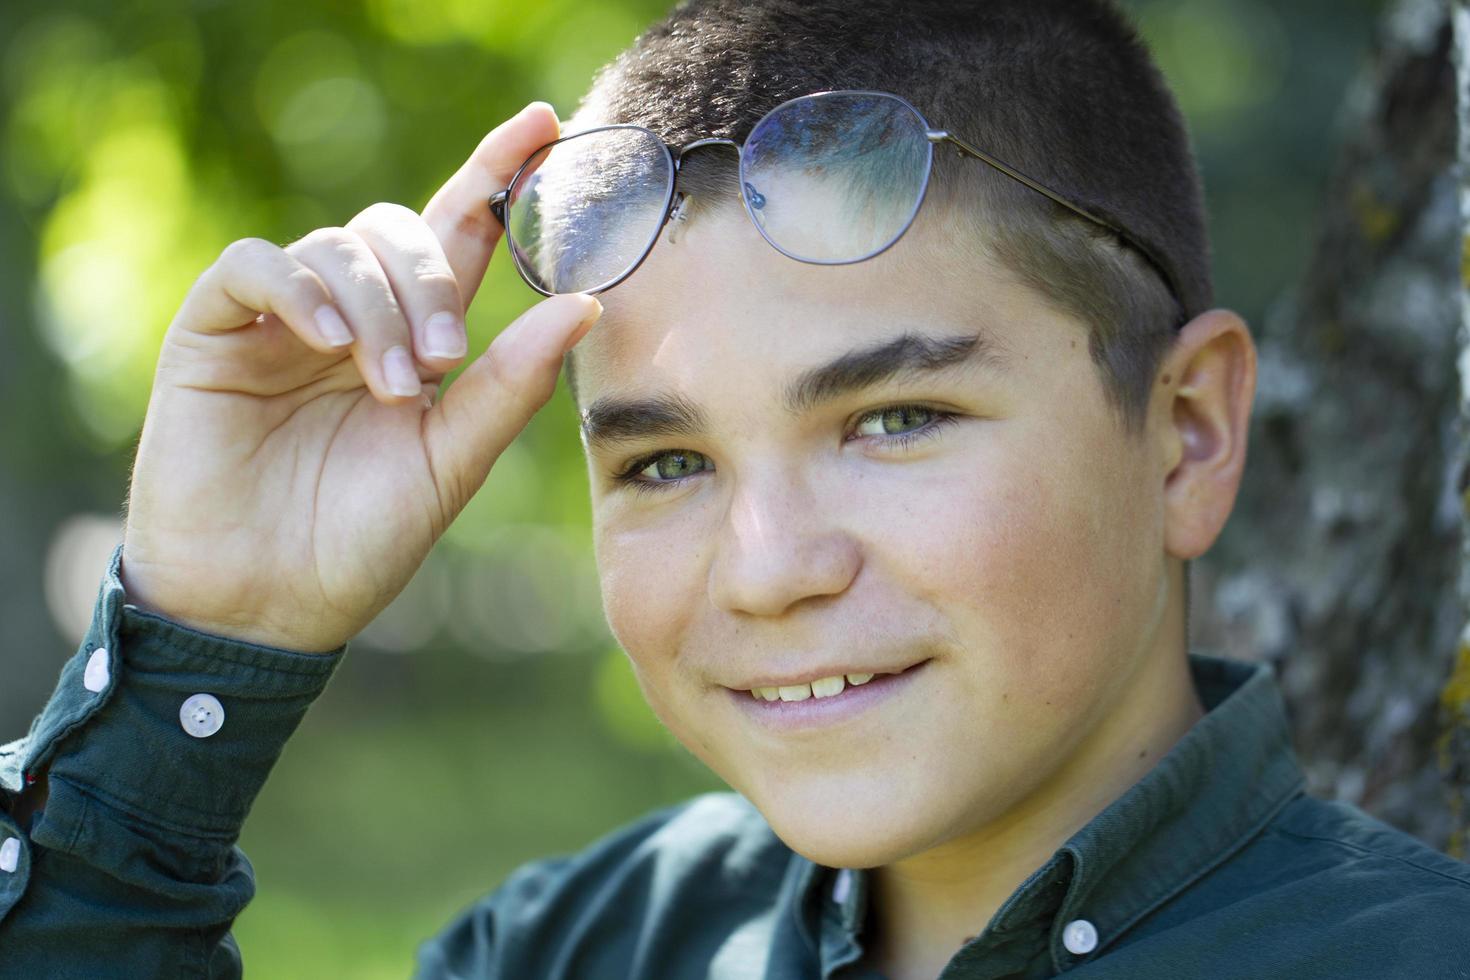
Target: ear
pixel 1201 412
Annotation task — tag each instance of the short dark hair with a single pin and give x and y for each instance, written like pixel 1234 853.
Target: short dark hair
pixel 1064 90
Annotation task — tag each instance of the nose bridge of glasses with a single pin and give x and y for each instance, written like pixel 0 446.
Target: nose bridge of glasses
pixel 680 151
pixel 678 201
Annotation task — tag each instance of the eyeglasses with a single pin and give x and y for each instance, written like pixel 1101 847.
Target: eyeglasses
pixel 830 178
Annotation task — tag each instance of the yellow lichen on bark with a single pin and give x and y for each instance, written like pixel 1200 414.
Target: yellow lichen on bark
pixel 1377 220
pixel 1454 702
pixel 1455 695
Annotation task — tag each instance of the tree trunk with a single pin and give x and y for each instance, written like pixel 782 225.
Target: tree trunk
pixel 1342 564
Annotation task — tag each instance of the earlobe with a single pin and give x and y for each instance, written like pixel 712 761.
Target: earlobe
pixel 1207 384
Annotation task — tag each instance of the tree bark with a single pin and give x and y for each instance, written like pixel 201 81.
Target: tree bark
pixel 1344 562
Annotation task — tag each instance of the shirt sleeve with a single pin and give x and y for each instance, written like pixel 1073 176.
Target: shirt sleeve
pixel 154 744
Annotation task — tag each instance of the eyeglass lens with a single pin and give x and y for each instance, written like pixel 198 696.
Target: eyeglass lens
pixel 586 209
pixel 829 178
pixel 835 177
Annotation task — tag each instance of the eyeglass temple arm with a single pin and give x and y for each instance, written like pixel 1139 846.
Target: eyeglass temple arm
pixel 943 136
pixel 497 205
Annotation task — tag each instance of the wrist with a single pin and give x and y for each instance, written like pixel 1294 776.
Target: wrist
pixel 245 625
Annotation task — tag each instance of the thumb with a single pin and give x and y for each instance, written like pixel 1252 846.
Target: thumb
pixel 489 404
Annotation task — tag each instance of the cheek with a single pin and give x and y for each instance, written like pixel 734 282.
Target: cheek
pixel 653 580
pixel 1025 551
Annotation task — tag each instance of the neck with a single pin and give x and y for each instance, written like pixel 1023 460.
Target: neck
pixel 927 906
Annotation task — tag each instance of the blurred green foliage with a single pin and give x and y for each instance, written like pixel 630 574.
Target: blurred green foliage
pixel 487 718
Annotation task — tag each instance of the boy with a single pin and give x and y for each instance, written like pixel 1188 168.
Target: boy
pixel 896 536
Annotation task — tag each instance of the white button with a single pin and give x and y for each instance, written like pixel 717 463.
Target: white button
pixel 842 886
pixel 10 855
pixel 96 676
pixel 202 715
pixel 1080 937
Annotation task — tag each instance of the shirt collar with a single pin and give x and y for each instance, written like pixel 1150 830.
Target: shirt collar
pixel 1218 785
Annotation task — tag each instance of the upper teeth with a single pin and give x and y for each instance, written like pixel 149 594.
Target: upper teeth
pixel 822 687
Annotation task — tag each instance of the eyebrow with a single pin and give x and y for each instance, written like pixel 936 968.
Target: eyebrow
pixel 611 420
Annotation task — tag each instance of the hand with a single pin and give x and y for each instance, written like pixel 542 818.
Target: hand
pixel 294 469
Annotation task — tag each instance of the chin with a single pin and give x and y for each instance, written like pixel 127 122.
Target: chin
pixel 846 826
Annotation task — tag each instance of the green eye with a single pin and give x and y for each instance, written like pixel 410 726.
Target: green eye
pixel 894 421
pixel 675 465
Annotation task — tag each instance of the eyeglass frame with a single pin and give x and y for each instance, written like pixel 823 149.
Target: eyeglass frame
pixel 673 198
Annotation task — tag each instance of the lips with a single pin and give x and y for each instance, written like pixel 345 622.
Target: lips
pixel 822 687
pixel 811 705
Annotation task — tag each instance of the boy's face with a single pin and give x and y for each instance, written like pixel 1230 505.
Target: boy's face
pixel 995 555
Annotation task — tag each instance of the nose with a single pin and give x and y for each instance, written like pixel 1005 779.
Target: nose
pixel 780 544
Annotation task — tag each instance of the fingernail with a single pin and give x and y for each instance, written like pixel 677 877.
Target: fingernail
pixel 399 373
pixel 594 314
pixel 333 328
pixel 444 336
pixel 584 325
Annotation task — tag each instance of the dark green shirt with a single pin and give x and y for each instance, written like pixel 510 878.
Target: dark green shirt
pixel 1214 865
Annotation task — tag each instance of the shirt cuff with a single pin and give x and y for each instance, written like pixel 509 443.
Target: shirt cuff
pixel 175 727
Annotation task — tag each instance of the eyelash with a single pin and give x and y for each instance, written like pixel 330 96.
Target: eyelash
pixel 901 441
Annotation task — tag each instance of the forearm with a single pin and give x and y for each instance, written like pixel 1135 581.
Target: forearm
pixel 126 799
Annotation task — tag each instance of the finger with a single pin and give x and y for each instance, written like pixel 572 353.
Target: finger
pixel 383 351
pixel 459 212
pixel 420 278
pixel 253 276
pixel 496 395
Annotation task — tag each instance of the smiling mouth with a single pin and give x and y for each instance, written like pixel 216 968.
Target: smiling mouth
pixel 821 688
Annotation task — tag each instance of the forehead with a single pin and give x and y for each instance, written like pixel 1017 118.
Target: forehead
pixel 719 301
